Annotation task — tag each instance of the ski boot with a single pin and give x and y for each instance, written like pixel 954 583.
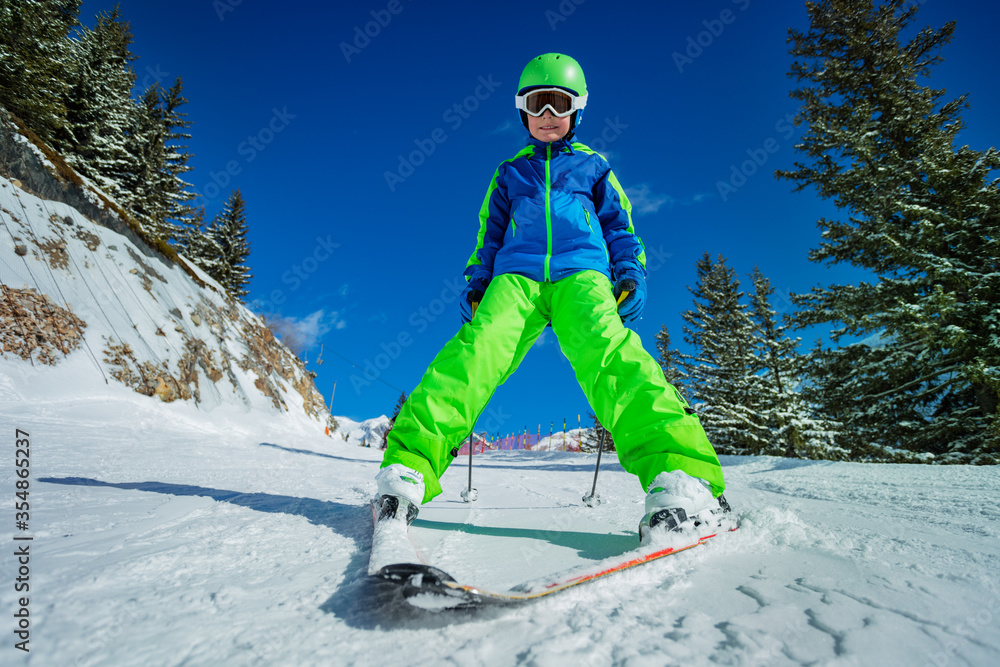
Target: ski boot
pixel 677 502
pixel 400 492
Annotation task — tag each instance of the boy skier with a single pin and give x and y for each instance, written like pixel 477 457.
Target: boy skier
pixel 555 246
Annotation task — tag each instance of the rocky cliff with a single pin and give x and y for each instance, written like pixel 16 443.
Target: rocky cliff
pixel 79 278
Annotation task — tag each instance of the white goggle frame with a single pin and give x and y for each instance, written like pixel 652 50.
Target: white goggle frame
pixel 578 102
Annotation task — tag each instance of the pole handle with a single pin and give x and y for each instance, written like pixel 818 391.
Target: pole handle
pixel 627 286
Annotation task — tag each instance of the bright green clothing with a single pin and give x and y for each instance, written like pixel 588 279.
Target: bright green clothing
pixel 652 430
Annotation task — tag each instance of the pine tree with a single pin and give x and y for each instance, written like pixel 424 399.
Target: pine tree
pixel 392 420
pixel 193 242
pixel 154 189
pixel 592 439
pixel 778 365
pixel 197 244
pixel 220 249
pixel 922 216
pixel 100 109
pixel 34 38
pixel 177 192
pixel 667 357
pixel 144 142
pixel 75 93
pixel 228 232
pixel 720 376
pixel 797 429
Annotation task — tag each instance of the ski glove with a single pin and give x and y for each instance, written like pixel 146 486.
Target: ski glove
pixel 635 283
pixel 473 293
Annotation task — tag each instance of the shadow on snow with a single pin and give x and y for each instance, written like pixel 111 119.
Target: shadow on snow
pixel 360 601
pixel 590 546
pixel 292 450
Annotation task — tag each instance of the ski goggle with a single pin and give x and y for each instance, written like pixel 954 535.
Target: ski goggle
pixel 560 102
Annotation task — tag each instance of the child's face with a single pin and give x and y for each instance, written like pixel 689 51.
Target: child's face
pixel 548 127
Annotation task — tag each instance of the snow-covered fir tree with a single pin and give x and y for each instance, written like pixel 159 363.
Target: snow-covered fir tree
pixel 226 237
pixel 74 91
pixel 719 378
pixel 193 240
pixel 745 378
pixel 922 216
pixel 797 429
pixel 667 357
pixel 100 109
pixel 34 62
pixel 144 141
pixel 177 193
pixel 392 420
pixel 155 190
pixel 197 243
pixel 590 439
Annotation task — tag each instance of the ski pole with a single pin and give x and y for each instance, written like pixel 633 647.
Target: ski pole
pixel 593 499
pixel 470 494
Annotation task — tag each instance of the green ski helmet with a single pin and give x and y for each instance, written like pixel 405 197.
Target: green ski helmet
pixel 554 70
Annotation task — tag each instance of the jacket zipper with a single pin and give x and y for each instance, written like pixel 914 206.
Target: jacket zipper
pixel 548 211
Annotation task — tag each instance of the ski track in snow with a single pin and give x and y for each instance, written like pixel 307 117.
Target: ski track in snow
pixel 167 536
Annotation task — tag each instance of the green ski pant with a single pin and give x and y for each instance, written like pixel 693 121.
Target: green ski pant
pixel 625 386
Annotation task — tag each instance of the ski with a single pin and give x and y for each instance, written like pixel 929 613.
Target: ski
pixel 431 588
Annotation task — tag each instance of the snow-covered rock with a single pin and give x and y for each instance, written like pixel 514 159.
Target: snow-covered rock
pixel 79 281
pixel 366 433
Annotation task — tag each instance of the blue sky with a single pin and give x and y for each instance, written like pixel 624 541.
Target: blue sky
pixel 364 135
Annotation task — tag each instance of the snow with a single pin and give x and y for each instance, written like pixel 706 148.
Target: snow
pixel 228 532
pixel 162 536
pixel 129 295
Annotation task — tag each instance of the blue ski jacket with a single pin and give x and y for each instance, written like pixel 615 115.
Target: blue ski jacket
pixel 552 210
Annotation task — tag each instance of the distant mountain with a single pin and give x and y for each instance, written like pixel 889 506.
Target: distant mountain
pixel 368 432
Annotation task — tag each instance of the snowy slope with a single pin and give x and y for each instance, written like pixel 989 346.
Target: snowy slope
pixel 161 537
pixel 139 318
